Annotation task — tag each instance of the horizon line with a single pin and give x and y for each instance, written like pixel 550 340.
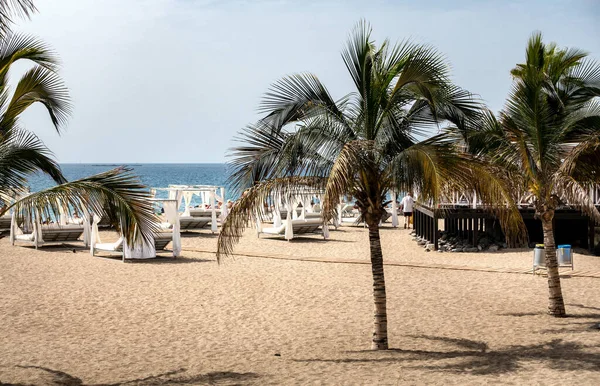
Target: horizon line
pixel 142 163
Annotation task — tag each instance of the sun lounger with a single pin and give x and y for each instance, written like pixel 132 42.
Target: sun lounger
pixel 51 234
pixel 161 240
pixel 299 227
pixel 190 223
pixel 108 247
pixel 5 222
pixel 201 212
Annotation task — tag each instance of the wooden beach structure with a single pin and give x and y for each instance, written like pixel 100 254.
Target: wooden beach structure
pixel 466 217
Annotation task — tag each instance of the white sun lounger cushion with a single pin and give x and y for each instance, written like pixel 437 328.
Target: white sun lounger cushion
pixel 25 237
pixel 110 247
pixel 275 230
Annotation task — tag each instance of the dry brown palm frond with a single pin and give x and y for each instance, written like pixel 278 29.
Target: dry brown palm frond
pixel 584 160
pixel 569 189
pixel 343 176
pixel 499 196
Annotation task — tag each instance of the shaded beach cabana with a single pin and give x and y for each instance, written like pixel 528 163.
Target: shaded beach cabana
pixel 31 231
pixel 166 232
pixel 198 218
pixel 292 214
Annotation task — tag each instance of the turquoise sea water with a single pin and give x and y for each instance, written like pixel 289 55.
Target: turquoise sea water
pixel 152 175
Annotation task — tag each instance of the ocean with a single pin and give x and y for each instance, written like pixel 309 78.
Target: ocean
pixel 152 175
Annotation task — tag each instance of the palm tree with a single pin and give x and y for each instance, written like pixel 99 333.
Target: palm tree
pixel 117 193
pixel 547 139
pixel 365 144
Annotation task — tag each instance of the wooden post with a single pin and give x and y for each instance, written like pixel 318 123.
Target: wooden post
pixel 435 230
pixel 469 228
pixel 416 222
pixel 591 233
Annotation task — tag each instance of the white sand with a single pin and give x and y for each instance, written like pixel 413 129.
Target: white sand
pixel 78 319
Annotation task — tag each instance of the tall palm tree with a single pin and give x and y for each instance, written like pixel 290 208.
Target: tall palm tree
pixel 117 193
pixel 547 138
pixel 392 132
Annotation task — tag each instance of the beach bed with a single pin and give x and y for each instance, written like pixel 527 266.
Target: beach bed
pixel 299 227
pixel 50 234
pixel 189 223
pixel 5 222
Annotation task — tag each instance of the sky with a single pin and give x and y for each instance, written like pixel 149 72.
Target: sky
pixel 173 81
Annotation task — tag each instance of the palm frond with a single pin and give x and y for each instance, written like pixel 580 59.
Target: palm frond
pixel 354 159
pixel 18 46
pixel 357 56
pixel 22 154
pixel 569 189
pixel 297 97
pixel 13 9
pixel 43 86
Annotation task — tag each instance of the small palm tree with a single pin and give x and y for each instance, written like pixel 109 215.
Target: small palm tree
pixel 363 145
pixel 547 139
pixel 116 192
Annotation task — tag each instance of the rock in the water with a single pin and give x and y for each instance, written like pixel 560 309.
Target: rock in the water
pixel 493 248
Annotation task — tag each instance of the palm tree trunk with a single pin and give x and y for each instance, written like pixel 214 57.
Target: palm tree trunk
pixel 380 340
pixel 556 304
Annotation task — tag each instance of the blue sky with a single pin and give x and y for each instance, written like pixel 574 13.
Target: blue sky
pixel 174 80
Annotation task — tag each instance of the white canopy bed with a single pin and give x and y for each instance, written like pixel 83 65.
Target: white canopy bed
pixel 294 214
pixel 66 229
pixel 207 212
pixel 168 232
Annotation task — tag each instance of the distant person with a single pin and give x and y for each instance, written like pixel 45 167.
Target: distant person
pixel 407 207
pixel 229 204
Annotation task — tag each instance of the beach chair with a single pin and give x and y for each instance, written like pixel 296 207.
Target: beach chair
pixel 117 247
pixel 189 223
pixel 386 216
pixel 213 217
pixel 5 222
pixel 49 234
pixel 313 215
pixel 299 227
pixel 201 212
pixel 161 239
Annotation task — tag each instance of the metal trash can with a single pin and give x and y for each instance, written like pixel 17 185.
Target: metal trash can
pixel 539 256
pixel 564 254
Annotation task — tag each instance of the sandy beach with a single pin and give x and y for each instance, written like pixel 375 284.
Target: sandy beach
pixel 284 312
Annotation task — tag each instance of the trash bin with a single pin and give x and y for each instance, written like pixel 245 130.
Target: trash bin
pixel 564 254
pixel 539 256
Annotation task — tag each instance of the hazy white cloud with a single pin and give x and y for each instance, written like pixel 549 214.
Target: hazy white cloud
pixel 150 75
